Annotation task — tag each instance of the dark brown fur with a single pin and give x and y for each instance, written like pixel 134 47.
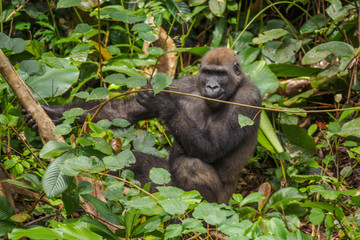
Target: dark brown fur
pixel 210 147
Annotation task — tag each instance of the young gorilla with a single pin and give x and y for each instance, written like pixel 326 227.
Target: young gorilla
pixel 210 147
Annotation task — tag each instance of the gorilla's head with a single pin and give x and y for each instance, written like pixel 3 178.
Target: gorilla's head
pixel 219 75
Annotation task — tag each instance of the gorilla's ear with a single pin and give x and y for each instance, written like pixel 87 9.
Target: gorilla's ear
pixel 237 69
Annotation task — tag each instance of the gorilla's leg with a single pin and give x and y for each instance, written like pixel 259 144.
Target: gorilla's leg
pixel 144 163
pixel 190 173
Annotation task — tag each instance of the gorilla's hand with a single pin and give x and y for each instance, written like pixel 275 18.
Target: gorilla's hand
pixel 52 111
pixel 161 104
pixel 29 120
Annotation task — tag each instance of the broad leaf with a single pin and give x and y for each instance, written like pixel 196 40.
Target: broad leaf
pixel 54 181
pixel 53 149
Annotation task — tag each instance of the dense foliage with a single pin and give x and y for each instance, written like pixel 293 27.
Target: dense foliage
pixel 302 181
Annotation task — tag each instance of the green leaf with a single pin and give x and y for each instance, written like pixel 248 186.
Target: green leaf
pixel 84 187
pixel 21 184
pixel 74 112
pixel 298 136
pixel 267 131
pixel 337 48
pixel 83 28
pixel 175 7
pixel 71 198
pixel 277 227
pixel 172 231
pixel 193 225
pixel 351 128
pixel 72 231
pixel 286 70
pixel 103 209
pixel 67 3
pixel 131 82
pixel 211 213
pixel 52 82
pixel 102 145
pixel 6 227
pixel 286 52
pixel 316 216
pixel 119 13
pixel 115 191
pixel 54 182
pixel 283 197
pixel 140 203
pixel 3 119
pixel 98 93
pixel 119 122
pixel 141 27
pixel 218 33
pixel 235 229
pixel 116 78
pixel 269 36
pixel 160 176
pixel 170 192
pixel 217 7
pixel 310 26
pixel 104 124
pixel 53 149
pixel 17 45
pixel 33 179
pixel 147 36
pixel 31 67
pixel 75 165
pixel 160 82
pixel 155 51
pixel 262 76
pixel 6 210
pixel 114 163
pixel 251 198
pixel 244 121
pixel 174 206
pixel 62 129
pixel 36 233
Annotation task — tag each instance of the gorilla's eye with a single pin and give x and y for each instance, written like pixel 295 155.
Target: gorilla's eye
pixel 237 69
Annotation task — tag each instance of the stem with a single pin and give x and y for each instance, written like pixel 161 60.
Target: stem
pixel 54 21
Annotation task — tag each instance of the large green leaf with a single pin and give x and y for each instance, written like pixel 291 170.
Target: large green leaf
pixel 53 149
pixel 174 206
pixel 218 33
pixel 6 227
pixel 283 197
pixel 103 209
pixel 176 7
pixel 217 7
pixel 298 136
pixel 269 36
pixel 337 48
pixel 119 13
pixel 6 210
pixel 36 233
pixel 54 181
pixel 160 82
pixel 351 128
pixel 262 76
pixel 72 231
pixel 53 81
pixel 310 26
pixel 287 70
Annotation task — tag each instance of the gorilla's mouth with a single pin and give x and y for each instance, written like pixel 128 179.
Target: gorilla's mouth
pixel 218 96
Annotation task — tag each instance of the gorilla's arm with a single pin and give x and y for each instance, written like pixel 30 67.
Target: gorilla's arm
pixel 128 109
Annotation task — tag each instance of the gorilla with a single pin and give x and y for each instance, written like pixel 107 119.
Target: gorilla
pixel 210 147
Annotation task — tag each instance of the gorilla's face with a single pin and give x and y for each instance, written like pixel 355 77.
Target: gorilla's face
pixel 219 76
